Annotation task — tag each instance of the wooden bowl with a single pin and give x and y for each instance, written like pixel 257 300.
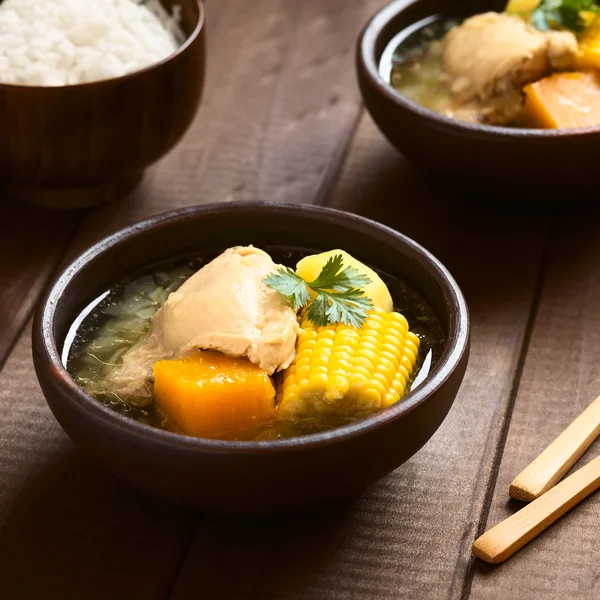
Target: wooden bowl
pixel 480 159
pixel 262 476
pixel 80 145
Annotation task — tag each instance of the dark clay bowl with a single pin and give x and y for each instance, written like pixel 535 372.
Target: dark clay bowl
pixel 483 159
pixel 79 145
pixel 250 477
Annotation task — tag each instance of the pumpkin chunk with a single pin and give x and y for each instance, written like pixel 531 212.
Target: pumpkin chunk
pixel 564 100
pixel 209 394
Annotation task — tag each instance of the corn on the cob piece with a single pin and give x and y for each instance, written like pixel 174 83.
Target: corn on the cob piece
pixel 341 370
pixel 588 52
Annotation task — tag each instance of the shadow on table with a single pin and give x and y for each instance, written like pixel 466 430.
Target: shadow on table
pixel 308 554
pixel 73 531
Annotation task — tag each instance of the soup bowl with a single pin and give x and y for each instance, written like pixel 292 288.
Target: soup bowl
pixel 258 476
pixel 480 159
pixel 79 145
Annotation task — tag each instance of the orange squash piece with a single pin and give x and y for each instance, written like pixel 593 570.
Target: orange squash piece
pixel 564 100
pixel 210 394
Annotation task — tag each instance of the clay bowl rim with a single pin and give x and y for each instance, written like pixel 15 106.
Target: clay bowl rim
pixel 49 355
pixel 366 62
pixel 190 39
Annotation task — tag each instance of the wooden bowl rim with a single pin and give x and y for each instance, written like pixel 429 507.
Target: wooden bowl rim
pixel 48 357
pixel 367 64
pixel 56 88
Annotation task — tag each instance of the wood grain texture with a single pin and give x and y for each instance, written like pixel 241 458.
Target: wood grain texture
pixel 68 529
pixel 279 110
pixel 31 244
pixel 560 377
pixel 507 537
pixel 410 536
pixel 555 460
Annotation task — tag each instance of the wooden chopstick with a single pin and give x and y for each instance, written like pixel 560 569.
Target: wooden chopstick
pixel 510 535
pixel 550 466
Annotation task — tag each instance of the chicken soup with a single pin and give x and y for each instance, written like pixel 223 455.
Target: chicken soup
pixel 526 67
pixel 243 347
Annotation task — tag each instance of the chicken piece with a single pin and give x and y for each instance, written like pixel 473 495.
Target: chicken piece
pixel 225 307
pixel 491 56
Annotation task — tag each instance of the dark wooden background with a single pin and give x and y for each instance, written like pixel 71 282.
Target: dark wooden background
pixel 282 120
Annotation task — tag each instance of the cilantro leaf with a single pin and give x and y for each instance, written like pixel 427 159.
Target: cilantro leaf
pixel 338 297
pixel 290 285
pixel 349 307
pixel 317 310
pixel 562 14
pixel 332 277
pixel 350 278
pixel 327 276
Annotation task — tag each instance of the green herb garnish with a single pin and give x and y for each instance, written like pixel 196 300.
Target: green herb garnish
pixel 565 14
pixel 339 297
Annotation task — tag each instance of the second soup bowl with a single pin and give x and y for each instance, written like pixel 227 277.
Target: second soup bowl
pixel 482 160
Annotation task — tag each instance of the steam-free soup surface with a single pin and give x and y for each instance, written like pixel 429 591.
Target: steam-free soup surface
pixel 500 69
pixel 122 316
pixel 415 67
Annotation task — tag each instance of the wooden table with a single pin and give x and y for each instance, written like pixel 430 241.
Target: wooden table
pixel 282 120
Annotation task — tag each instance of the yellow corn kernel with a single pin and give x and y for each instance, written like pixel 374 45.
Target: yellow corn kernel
pixel 389 399
pixel 344 371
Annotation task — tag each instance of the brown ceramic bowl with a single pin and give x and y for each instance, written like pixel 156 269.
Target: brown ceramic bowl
pixel 479 158
pixel 85 144
pixel 264 476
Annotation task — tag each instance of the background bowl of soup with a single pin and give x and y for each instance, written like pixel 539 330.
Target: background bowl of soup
pixel 480 159
pixel 250 476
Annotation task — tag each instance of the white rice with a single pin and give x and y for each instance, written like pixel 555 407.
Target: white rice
pixel 65 42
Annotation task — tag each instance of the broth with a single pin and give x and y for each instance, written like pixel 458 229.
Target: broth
pixel 413 64
pixel 517 76
pixel 122 316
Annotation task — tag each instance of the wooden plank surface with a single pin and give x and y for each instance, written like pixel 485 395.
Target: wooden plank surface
pixel 31 244
pixel 279 110
pixel 280 107
pixel 560 378
pixel 68 529
pixel 410 535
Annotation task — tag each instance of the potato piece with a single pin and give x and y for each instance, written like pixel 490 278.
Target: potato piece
pixel 210 394
pixel 564 100
pixel 522 6
pixel 310 267
pixel 588 52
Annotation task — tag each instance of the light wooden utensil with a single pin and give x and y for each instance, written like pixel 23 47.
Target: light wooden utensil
pixel 510 535
pixel 550 466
